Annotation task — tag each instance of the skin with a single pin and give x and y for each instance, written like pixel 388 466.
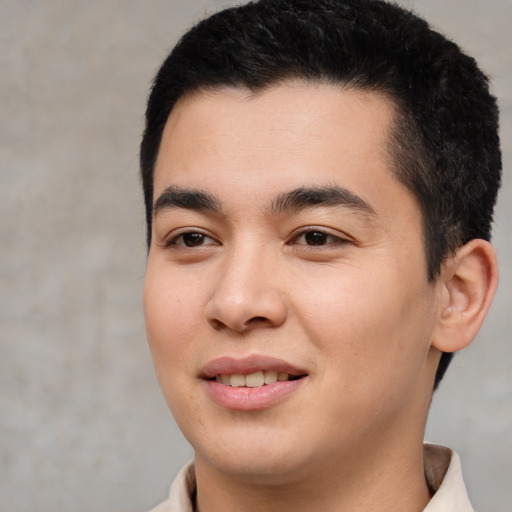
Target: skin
pixel 351 306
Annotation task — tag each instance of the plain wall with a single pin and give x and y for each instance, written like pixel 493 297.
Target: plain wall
pixel 83 426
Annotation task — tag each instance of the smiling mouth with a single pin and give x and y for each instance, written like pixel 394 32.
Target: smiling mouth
pixel 255 379
pixel 251 383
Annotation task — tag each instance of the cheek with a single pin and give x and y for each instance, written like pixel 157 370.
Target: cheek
pixel 172 313
pixel 367 324
pixel 338 309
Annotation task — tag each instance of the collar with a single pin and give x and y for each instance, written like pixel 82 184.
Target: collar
pixel 444 476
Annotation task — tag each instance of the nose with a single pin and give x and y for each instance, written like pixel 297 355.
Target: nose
pixel 246 294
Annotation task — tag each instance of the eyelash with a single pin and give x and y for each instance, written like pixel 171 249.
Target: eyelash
pixel 174 240
pixel 336 240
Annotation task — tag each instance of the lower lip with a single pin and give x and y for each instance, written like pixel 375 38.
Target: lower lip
pixel 251 399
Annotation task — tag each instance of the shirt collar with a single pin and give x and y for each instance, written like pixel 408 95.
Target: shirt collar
pixel 444 475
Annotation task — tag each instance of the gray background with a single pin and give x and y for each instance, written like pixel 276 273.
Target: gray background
pixel 82 424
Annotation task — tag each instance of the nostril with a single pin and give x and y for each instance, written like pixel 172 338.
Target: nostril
pixel 216 324
pixel 258 319
pixel 252 322
pixel 244 312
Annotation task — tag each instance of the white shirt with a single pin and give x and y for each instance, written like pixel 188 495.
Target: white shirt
pixel 442 470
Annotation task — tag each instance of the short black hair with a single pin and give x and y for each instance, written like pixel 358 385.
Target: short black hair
pixel 444 143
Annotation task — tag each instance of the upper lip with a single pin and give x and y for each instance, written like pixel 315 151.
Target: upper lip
pixel 229 365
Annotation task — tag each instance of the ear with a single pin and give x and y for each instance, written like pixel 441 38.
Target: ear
pixel 468 282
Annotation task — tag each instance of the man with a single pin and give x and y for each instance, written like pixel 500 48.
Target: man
pixel 319 178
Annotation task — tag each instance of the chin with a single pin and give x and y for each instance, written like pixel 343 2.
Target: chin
pixel 254 457
pixel 277 470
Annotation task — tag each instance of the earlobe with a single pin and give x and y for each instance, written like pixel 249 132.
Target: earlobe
pixel 469 280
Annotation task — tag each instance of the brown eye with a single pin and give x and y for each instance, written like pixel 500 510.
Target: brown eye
pixel 190 239
pixel 316 238
pixel 193 239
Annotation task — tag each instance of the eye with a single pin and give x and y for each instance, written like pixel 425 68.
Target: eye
pixel 190 239
pixel 315 237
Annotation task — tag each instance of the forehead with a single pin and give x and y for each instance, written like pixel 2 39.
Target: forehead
pixel 300 108
pixel 230 141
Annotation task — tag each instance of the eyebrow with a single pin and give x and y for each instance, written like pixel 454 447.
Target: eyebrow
pixel 298 199
pixel 308 197
pixel 190 199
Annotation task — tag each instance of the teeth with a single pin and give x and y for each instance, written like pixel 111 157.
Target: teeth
pixel 252 380
pixel 270 377
pixel 237 380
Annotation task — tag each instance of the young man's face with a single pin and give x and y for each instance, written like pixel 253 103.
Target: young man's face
pixel 283 244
